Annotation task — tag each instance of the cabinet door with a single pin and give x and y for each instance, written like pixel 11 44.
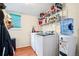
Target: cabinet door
pixel 39 45
pixel 33 41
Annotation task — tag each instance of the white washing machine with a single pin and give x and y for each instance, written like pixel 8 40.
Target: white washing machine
pixel 67 45
pixel 45 45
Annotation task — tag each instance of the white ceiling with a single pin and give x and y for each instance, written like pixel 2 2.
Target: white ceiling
pixel 33 9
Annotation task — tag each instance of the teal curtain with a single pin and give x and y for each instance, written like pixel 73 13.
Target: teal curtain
pixel 16 20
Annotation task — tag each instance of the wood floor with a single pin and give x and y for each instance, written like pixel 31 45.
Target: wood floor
pixel 25 51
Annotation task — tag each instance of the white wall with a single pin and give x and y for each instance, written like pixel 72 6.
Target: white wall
pixel 23 35
pixel 73 12
pixel 77 28
pixel 49 27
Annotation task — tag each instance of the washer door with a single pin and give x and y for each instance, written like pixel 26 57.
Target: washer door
pixel 62 54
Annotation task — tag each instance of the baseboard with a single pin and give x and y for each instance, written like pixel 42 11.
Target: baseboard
pixel 23 46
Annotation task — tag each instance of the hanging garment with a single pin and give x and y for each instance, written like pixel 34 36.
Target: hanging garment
pixel 6 48
pixel 0 41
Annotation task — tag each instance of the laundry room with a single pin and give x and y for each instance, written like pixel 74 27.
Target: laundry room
pixel 39 29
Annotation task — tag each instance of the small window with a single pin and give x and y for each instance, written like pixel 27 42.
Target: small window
pixel 16 20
